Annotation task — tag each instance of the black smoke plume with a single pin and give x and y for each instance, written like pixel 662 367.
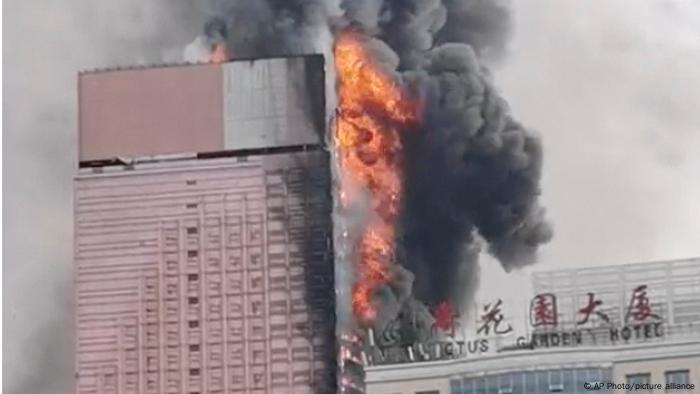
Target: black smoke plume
pixel 472 172
pixel 264 28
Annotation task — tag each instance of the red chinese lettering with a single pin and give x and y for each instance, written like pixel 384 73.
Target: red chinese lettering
pixel 640 305
pixel 492 318
pixel 445 318
pixel 543 310
pixel 590 309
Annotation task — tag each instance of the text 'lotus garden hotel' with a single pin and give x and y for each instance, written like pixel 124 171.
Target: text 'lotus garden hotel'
pixel 203 255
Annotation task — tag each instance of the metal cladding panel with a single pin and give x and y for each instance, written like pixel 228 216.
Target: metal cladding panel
pixel 206 276
pixel 146 112
pixel 273 102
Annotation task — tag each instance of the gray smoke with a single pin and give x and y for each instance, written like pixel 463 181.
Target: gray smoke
pixel 39 153
pixel 485 25
pixel 472 172
pixel 267 28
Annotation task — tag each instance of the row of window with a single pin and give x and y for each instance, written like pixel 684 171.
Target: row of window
pixel 552 381
pixel 679 377
pixel 568 381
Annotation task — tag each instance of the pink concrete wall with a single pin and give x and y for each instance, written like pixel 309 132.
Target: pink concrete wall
pixel 190 277
pixel 143 112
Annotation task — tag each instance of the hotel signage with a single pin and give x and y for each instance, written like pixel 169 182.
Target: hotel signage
pixel 493 333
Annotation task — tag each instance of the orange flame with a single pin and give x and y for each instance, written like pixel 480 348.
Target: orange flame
pixel 372 109
pixel 218 53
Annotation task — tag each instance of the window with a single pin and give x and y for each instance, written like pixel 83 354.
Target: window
pixel 468 386
pixel 194 371
pixel 606 375
pixel 192 253
pixel 638 378
pixel 480 386
pixel 518 380
pixel 193 300
pixel 567 380
pixel 593 376
pixel 193 323
pixel 194 348
pixel 542 378
pixel 455 387
pixel 505 384
pixel 530 386
pixel 192 230
pixel 492 384
pixel 192 277
pixel 678 377
pixel 555 382
pixel 428 392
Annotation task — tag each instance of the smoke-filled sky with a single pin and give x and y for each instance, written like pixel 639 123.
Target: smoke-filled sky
pixel 613 90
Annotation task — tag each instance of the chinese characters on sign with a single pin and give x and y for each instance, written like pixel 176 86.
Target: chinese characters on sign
pixel 492 318
pixel 543 310
pixel 592 307
pixel 445 319
pixel 640 321
pixel 590 320
pixel 544 313
pixel 640 308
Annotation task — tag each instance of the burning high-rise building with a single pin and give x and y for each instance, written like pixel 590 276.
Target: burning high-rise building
pixel 429 165
pixel 203 253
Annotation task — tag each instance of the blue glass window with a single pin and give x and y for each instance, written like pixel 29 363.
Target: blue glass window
pixel 567 380
pixel 580 379
pixel 530 384
pixel 678 377
pixel 555 381
pixel 480 386
pixel 468 386
pixel 542 382
pixel 518 383
pixel 456 386
pixel 492 384
pixel 638 378
pixel 505 384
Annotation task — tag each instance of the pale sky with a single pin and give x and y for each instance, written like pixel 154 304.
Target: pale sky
pixel 613 88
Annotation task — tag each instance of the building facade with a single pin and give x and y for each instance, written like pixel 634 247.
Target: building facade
pixel 202 269
pixel 648 337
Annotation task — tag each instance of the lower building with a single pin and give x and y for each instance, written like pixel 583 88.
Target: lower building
pixel 568 371
pixel 651 342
